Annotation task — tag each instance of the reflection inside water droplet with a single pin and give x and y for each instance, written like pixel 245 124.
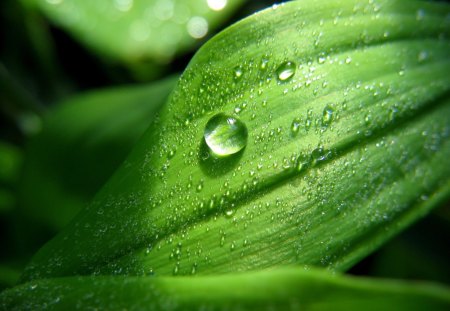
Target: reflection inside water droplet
pixel 327 116
pixel 285 71
pixel 225 135
pixel 295 126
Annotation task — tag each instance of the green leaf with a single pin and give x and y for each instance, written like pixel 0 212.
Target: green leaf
pixel 346 109
pixel 10 162
pixel 8 277
pixel 134 30
pixel 83 141
pixel 282 289
pixel 10 165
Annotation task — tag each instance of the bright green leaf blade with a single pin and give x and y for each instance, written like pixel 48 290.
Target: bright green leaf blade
pixel 83 141
pixel 285 289
pixel 133 30
pixel 365 160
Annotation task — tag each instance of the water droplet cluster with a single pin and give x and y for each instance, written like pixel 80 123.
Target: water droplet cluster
pixel 258 150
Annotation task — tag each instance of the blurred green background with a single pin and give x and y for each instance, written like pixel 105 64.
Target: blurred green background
pixel 95 63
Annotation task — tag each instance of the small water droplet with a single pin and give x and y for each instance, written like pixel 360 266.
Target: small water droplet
pixel 263 64
pixel 319 155
pixel 171 154
pixel 308 123
pixel 200 186
pixel 194 268
pixel 175 269
pixel 225 135
pixel 327 116
pixel 233 246
pixel 295 126
pixel 302 163
pixel 238 72
pixel 229 213
pixel 393 112
pixel 285 71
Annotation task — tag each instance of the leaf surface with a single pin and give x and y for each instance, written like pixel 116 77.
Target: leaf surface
pixel 347 111
pixel 282 289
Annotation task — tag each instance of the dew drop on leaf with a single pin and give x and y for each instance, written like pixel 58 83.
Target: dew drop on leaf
pixel 175 269
pixel 229 213
pixel 194 269
pixel 285 71
pixel 200 186
pixel 327 116
pixel 238 73
pixel 225 135
pixel 295 126
pixel 302 163
pixel 263 64
pixel 319 155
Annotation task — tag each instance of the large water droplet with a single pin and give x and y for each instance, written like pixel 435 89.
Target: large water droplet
pixel 225 135
pixel 286 71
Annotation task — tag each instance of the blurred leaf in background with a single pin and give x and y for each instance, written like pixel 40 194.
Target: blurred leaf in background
pixel 280 289
pixel 82 142
pixel 133 31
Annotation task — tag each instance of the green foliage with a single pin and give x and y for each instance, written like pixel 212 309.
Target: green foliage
pixel 82 142
pixel 136 30
pixel 10 163
pixel 282 289
pixel 365 162
pixel 306 135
